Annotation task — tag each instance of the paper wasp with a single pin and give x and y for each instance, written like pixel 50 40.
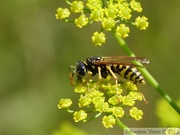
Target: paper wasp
pixel 109 65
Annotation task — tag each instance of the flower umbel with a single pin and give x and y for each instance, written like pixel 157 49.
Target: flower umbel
pixel 111 14
pixel 105 98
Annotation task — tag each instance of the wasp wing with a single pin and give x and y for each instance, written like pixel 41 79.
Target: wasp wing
pixel 100 63
pixel 120 58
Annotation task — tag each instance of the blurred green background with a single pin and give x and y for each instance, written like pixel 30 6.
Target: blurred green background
pixel 36 51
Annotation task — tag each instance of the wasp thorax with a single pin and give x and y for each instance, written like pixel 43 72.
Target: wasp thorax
pixel 91 66
pixel 90 61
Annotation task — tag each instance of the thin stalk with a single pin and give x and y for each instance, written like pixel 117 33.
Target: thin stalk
pixel 147 75
pixel 124 127
pixel 96 116
pixel 68 2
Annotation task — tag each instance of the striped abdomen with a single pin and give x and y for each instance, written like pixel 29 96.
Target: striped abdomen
pixel 128 72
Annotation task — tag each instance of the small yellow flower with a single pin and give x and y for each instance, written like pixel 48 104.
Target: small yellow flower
pixel 101 106
pixel 97 15
pixel 141 23
pixel 118 112
pixel 98 38
pixel 79 115
pixel 92 4
pixel 81 21
pixel 62 13
pixel 84 101
pixel 80 89
pixel 136 113
pixel 64 103
pixel 136 6
pixel 128 100
pixel 108 23
pixel 124 11
pixel 77 6
pixel 122 30
pixel 108 121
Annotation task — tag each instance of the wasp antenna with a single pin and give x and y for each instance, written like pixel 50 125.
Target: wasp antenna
pixel 72 66
pixel 71 76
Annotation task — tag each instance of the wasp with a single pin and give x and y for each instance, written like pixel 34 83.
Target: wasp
pixel 109 65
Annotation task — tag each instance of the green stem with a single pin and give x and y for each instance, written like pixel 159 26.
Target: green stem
pixel 96 116
pixel 147 75
pixel 68 2
pixel 124 127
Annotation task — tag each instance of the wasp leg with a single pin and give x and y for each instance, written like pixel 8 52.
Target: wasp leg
pixel 113 75
pixel 141 94
pixel 99 73
pixel 88 75
pixel 116 79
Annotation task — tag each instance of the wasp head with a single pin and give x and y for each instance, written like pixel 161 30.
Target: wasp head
pixel 81 69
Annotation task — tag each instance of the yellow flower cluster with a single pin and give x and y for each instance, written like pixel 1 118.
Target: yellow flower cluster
pixel 112 14
pixel 103 98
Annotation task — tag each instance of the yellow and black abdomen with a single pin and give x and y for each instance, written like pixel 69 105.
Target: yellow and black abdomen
pixel 128 72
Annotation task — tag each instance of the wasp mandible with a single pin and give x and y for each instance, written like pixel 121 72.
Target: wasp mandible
pixel 109 65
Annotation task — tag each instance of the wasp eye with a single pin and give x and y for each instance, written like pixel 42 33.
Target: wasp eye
pixel 81 68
